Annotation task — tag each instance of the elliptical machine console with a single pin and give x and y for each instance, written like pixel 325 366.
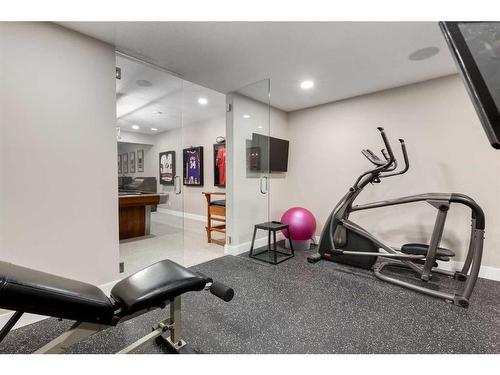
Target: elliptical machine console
pixel 344 241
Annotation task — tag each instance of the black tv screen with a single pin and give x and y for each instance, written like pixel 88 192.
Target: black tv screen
pixel 475 47
pixel 271 152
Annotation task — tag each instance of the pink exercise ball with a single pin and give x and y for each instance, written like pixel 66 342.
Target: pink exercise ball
pixel 301 222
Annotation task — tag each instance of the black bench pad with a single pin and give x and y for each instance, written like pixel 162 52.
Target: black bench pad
pixel 154 286
pixel 221 203
pixel 422 249
pixel 31 291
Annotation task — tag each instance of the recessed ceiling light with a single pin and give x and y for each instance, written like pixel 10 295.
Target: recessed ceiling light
pixel 143 83
pixel 154 129
pixel 135 127
pixel 306 85
pixel 246 116
pixel 260 127
pixel 423 53
pixel 202 101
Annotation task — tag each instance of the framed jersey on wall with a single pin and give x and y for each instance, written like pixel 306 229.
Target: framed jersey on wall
pixel 192 161
pixel 167 167
pixel 220 164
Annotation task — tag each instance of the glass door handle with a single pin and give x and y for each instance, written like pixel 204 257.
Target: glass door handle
pixel 177 185
pixel 262 190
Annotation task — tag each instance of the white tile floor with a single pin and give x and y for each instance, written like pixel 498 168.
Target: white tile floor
pixel 169 241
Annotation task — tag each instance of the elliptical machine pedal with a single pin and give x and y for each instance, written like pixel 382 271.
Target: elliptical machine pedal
pixel 314 258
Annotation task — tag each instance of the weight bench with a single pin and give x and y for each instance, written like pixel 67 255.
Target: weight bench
pixel 161 284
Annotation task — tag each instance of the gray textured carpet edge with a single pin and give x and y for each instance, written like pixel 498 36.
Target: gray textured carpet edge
pixel 297 307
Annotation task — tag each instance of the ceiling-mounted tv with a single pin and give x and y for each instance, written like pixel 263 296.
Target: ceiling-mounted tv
pixel 475 47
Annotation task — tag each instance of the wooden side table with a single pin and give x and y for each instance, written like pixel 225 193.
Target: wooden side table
pixel 216 212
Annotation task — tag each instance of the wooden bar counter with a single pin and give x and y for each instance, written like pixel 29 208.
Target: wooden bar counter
pixel 135 214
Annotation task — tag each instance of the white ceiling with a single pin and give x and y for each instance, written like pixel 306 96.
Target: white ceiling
pixel 345 59
pixel 176 99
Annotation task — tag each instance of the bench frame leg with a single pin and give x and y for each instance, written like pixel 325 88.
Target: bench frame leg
pixel 10 324
pixel 172 324
pixel 162 327
pixel 82 330
pixel 174 339
pixel 78 332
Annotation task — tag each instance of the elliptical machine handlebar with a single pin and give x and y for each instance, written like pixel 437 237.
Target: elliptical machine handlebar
pixel 385 153
pixel 390 163
pixel 405 157
pixel 387 157
pixel 374 159
pixel 387 146
pixel 381 166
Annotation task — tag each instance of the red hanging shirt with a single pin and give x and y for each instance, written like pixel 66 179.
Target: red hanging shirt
pixel 221 164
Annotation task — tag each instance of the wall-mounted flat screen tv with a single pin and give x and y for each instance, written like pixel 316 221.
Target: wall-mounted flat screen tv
pixel 476 49
pixel 272 153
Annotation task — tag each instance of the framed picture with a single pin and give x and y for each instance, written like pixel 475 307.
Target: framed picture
pixel 120 164
pixel 125 163
pixel 192 161
pixel 219 164
pixel 131 160
pixel 167 167
pixel 140 160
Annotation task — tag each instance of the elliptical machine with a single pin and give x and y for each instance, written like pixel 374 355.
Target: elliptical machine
pixel 345 242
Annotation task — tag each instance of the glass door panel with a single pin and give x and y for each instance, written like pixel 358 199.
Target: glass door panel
pixel 204 155
pixel 248 198
pixel 149 122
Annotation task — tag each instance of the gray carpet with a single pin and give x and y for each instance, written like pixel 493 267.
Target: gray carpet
pixel 297 307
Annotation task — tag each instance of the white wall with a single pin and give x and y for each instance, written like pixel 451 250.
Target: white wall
pixel 448 152
pixel 58 201
pixel 137 138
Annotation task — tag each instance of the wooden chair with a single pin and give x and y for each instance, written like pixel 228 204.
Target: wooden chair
pixel 216 212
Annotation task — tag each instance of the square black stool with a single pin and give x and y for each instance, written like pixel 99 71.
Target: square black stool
pixel 264 253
